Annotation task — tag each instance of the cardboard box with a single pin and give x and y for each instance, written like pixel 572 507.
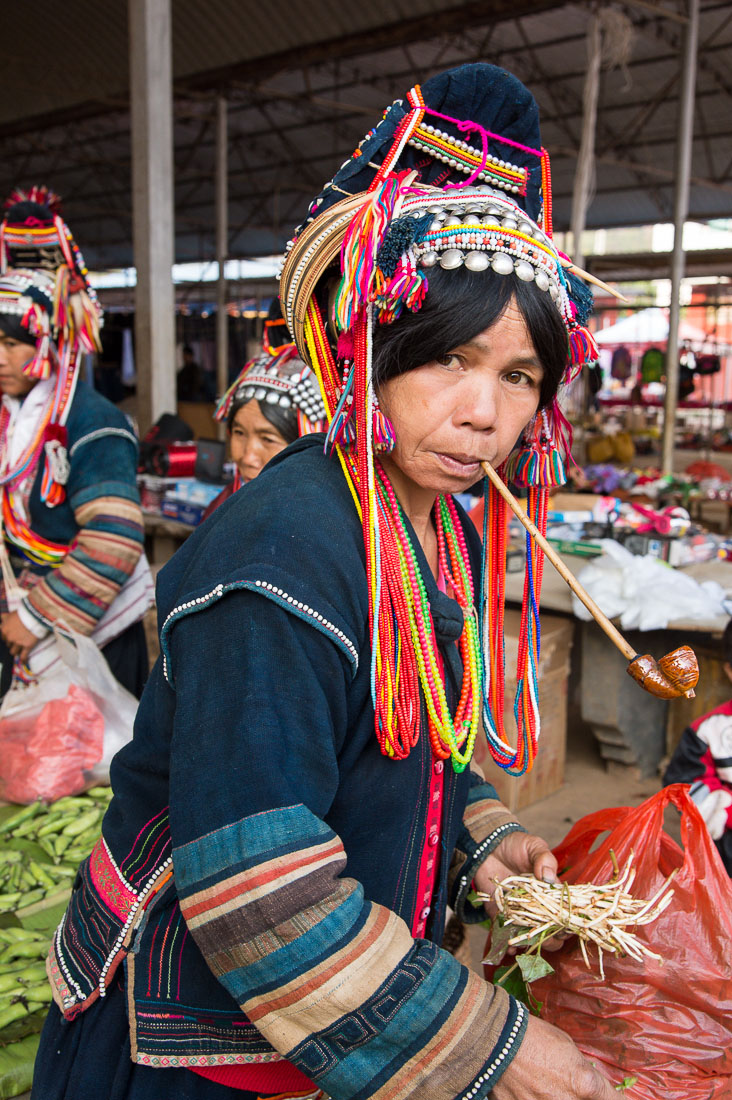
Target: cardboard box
pixel 181 510
pixel 547 774
pixel 193 491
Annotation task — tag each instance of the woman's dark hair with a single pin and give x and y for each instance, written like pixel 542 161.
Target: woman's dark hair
pixel 283 420
pixel 459 304
pixel 11 327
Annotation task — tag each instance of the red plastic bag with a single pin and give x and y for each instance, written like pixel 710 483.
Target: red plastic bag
pixel 60 731
pixel 45 754
pixel 668 1025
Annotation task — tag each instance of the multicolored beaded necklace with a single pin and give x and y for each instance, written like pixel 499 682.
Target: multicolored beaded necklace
pixel 405 655
pixel 449 737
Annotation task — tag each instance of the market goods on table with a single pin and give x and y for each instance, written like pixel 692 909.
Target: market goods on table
pixel 41 847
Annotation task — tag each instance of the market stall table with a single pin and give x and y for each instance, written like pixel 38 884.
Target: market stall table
pixel 632 727
pixel 164 536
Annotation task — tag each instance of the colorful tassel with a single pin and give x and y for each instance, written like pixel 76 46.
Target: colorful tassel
pixel 360 247
pixel 342 429
pixel 384 438
pixel 539 462
pixel 582 349
pixel 407 287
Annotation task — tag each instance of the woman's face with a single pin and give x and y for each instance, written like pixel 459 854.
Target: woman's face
pixel 14 355
pixel 254 441
pixel 469 406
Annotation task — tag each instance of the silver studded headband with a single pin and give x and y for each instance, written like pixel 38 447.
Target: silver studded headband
pixel 21 290
pixel 282 380
pixel 480 228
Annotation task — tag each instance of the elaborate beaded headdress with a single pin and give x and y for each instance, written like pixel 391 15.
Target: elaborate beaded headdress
pixel 411 197
pixel 34 236
pixel 44 287
pixel 283 380
pixel 278 376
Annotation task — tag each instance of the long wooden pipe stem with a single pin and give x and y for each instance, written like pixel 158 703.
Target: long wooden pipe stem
pixel 597 614
pixel 675 674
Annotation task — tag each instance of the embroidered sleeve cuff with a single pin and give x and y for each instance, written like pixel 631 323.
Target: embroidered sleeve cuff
pixel 33 620
pixel 466 861
pixel 503 1053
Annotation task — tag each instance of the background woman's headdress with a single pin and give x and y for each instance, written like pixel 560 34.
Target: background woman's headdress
pixel 283 380
pixel 34 236
pixel 453 176
pixel 278 376
pixel 44 286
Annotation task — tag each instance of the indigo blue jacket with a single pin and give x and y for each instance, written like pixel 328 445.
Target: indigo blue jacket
pixel 259 864
pixel 97 527
pixel 102 450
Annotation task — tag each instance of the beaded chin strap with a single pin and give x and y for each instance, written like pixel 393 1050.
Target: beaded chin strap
pixel 396 234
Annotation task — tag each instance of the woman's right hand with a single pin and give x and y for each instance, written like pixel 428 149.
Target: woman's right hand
pixel 549 1066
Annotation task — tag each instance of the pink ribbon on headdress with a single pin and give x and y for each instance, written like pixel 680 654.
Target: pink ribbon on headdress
pixel 466 126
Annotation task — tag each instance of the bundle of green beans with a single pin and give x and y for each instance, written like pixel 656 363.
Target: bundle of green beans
pixel 41 847
pixel 24 987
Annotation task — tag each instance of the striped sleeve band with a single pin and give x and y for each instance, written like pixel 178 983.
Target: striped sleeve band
pixel 101 558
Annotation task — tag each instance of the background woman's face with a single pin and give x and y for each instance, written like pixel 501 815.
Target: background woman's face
pixel 254 441
pixel 14 356
pixel 469 406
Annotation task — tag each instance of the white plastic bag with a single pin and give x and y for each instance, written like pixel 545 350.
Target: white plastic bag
pixel 58 734
pixel 645 593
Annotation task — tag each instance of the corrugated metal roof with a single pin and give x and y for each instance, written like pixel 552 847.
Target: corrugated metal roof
pixel 63 55
pixel 304 82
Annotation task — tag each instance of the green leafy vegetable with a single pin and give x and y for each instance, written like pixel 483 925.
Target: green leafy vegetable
pixel 533 966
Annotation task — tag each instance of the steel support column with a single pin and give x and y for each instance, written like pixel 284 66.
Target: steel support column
pixel 584 177
pixel 151 110
pixel 222 248
pixel 681 208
